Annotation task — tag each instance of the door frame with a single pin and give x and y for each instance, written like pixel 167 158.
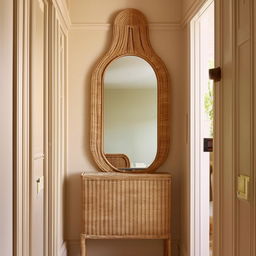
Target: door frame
pixel 227 217
pixel 21 127
pixel 196 186
pixel 55 19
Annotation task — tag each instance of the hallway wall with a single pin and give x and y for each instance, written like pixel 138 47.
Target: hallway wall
pixel 89 38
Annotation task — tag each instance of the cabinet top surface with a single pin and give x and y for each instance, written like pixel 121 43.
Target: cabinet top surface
pixel 109 175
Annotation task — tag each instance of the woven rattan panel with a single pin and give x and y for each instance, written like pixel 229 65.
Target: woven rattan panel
pixel 126 205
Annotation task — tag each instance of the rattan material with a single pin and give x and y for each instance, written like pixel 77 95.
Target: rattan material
pixel 118 160
pixel 126 206
pixel 130 37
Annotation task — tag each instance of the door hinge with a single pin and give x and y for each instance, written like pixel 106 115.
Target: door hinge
pixel 215 74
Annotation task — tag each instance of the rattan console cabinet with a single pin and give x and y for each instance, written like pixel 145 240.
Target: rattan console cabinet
pixel 126 206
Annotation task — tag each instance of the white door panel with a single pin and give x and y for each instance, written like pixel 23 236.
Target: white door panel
pixel 235 132
pixel 244 120
pixel 37 128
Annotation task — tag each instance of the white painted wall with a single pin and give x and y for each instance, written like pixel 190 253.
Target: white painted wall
pixel 86 45
pixel 6 86
pixel 135 133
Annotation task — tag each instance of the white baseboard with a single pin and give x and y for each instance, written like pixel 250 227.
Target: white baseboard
pixel 63 250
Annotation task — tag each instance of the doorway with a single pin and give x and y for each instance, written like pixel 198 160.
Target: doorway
pixel 201 130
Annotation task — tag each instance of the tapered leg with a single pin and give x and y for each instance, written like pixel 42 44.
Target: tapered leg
pixel 167 247
pixel 83 246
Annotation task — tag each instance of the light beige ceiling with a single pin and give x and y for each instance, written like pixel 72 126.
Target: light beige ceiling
pixel 129 72
pixel 103 11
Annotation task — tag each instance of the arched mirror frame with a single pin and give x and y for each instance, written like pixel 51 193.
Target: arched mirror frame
pixel 130 38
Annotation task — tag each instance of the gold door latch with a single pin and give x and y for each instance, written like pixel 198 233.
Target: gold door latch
pixel 243 187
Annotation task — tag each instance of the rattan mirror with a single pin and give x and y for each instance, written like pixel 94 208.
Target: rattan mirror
pixel 130 43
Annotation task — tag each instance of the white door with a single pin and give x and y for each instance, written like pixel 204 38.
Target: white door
pixel 235 131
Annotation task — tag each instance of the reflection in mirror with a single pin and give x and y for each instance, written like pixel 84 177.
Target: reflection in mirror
pixel 130 113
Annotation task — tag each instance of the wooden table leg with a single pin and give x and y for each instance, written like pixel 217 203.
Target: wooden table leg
pixel 83 246
pixel 167 247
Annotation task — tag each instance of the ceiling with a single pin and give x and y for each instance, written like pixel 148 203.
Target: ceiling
pixel 129 72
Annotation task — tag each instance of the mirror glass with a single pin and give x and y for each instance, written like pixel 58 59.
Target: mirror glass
pixel 130 113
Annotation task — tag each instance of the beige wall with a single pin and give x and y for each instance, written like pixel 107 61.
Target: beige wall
pixel 6 15
pixel 96 11
pixel 189 8
pixel 187 4
pixel 86 46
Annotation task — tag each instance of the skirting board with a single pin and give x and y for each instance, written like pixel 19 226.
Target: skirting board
pixel 63 250
pixel 73 248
